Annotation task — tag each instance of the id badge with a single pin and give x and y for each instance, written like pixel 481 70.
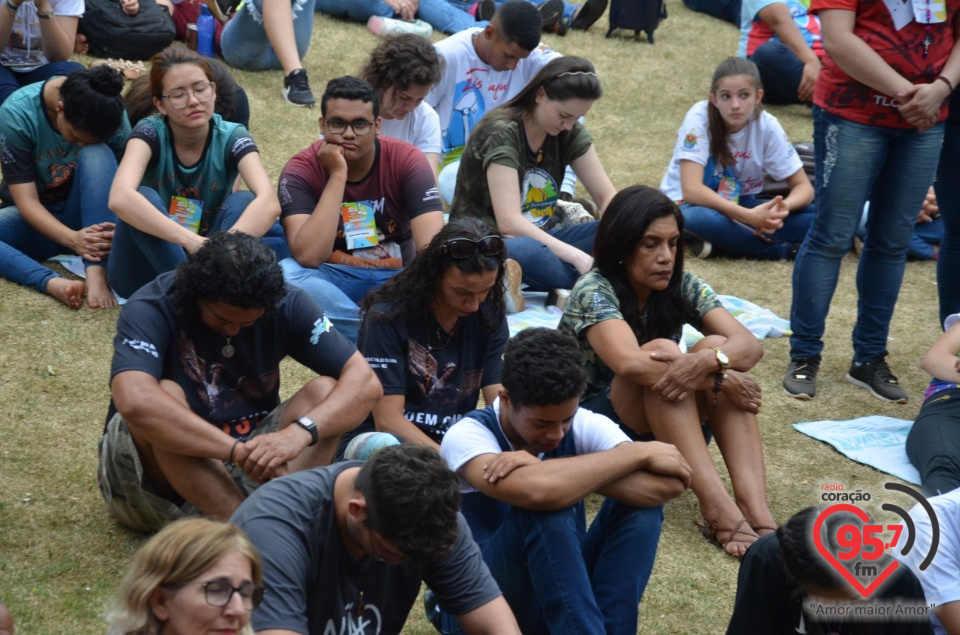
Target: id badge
pixel 359 225
pixel 729 188
pixel 186 212
pixel 929 11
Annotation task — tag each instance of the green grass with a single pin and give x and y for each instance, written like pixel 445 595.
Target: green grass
pixel 60 553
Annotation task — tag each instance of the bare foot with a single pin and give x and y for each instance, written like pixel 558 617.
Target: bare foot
pixel 70 292
pixel 733 537
pixel 99 294
pixel 80 46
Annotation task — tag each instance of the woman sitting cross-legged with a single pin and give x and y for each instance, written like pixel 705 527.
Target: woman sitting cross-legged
pixel 627 314
pixel 435 333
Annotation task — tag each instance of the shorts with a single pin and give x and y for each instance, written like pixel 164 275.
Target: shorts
pixel 600 403
pixel 130 500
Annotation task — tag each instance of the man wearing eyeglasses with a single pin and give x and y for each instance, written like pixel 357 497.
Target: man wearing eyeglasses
pixel 346 547
pixel 356 207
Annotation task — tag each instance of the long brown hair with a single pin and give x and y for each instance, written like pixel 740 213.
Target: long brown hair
pixel 719 135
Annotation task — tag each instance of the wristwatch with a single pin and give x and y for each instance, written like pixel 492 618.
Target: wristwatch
pixel 310 426
pixel 722 360
pixel 45 16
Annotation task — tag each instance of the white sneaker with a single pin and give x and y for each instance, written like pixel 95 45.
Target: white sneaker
pixel 389 26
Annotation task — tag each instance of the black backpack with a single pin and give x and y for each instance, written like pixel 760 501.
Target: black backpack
pixel 112 33
pixel 637 15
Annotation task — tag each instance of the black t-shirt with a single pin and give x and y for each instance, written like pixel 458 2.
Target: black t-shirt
pixel 232 392
pixel 440 374
pixel 770 602
pixel 313 583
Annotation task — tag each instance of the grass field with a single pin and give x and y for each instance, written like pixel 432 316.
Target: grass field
pixel 60 553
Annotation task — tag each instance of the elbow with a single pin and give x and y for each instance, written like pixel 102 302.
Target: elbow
pixel 926 364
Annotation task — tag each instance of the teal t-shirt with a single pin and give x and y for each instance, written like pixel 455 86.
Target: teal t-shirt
pixel 33 151
pixel 209 181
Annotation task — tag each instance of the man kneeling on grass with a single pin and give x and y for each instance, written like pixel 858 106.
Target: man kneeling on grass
pixel 526 463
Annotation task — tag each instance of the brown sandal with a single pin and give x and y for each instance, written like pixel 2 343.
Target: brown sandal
pixel 129 70
pixel 709 530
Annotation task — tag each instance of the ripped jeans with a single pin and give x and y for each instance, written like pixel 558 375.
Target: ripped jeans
pixel 893 167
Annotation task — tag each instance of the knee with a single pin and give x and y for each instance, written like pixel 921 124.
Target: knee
pixel 661 345
pixel 709 341
pixel 314 391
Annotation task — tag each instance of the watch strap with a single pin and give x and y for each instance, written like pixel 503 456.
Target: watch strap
pixel 310 426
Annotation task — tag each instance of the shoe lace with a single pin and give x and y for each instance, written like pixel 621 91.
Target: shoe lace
pixel 883 373
pixel 298 81
pixel 804 370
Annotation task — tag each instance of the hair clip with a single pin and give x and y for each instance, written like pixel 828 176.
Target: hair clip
pixel 589 73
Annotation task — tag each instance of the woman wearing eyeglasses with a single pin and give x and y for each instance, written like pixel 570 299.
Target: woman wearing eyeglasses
pixel 175 184
pixel 435 334
pixel 196 576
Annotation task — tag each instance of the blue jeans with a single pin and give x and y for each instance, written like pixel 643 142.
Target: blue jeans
pixel 138 257
pixel 780 72
pixel 559 577
pixel 542 270
pixel 11 80
pixel 925 236
pixel 892 166
pixel 244 43
pixel 947 187
pixel 437 13
pixel 21 246
pixel 338 290
pixel 728 10
pixel 736 239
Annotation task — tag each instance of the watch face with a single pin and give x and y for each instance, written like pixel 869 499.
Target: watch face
pixel 722 358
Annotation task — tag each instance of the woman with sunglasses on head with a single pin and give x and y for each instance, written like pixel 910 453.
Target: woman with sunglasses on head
pixel 513 165
pixel 435 334
pixel 175 184
pixel 196 576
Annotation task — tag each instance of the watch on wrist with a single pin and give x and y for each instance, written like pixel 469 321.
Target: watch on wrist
pixel 310 426
pixel 722 360
pixel 45 16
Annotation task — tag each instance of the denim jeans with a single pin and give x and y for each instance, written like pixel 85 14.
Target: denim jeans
pixel 728 10
pixel 736 239
pixel 559 577
pixel 244 43
pixel 338 290
pixel 947 187
pixel 542 270
pixel 780 72
pixel 437 13
pixel 925 236
pixel 21 246
pixel 11 80
pixel 138 257
pixel 892 166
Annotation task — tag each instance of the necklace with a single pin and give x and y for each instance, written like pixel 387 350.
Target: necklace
pixel 228 350
pixel 440 333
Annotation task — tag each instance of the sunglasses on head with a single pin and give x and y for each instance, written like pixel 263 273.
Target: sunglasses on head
pixel 460 248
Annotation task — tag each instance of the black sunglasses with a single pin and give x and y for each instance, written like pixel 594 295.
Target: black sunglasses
pixel 460 248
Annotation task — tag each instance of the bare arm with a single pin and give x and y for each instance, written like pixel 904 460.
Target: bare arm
pixel 777 16
pixel 615 344
pixel 920 105
pixel 492 618
pixel 93 242
pixel 505 198
pixel 388 417
pixel 801 191
pixel 264 209
pixel 424 227
pixel 433 158
pixel 590 171
pixel 949 616
pixel 491 392
pixel 356 393
pixel 132 207
pixel 765 217
pixel 311 237
pixel 941 360
pixel 855 56
pixel 57 34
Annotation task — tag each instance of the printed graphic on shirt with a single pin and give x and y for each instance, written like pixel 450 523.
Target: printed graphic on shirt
pixel 356 620
pixel 468 108
pixel 539 194
pixel 690 141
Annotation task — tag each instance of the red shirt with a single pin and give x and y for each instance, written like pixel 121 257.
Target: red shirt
pixel 841 95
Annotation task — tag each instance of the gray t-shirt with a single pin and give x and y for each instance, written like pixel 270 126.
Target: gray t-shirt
pixel 314 584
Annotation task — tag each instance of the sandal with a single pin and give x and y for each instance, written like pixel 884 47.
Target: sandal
pixel 129 70
pixel 709 530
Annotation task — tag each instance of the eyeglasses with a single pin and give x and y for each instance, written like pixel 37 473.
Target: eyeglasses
pixel 360 128
pixel 180 98
pixel 219 593
pixel 460 248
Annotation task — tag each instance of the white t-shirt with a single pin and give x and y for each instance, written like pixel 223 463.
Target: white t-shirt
pixel 24 39
pixel 468 439
pixel 421 128
pixel 469 88
pixel 941 579
pixel 762 147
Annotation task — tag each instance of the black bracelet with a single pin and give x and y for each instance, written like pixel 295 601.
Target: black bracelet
pixel 946 81
pixel 232 450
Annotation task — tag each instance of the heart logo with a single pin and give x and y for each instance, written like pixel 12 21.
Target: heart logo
pixel 829 557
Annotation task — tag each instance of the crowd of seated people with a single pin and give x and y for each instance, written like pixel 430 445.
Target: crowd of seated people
pixel 345 262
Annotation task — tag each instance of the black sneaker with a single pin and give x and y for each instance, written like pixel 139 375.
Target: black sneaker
pixel 296 89
pixel 486 10
pixel 800 382
pixel 550 12
pixel 589 13
pixel 696 246
pixel 431 609
pixel 876 377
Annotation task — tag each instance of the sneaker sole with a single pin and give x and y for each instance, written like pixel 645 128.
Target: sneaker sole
pixel 802 396
pixel 550 12
pixel 856 382
pixel 591 12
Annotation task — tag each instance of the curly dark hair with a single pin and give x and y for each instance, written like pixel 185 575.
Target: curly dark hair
pixel 619 233
pixel 412 501
pixel 519 22
pixel 352 89
pixel 402 61
pixel 233 268
pixel 410 293
pixel 92 102
pixel 542 367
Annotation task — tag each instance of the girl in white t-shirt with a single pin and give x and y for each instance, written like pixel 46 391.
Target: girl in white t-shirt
pixel 724 147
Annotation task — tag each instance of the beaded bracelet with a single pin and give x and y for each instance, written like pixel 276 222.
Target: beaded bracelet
pixel 940 77
pixel 11 8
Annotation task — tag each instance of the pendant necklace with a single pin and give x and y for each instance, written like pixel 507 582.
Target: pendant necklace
pixel 228 350
pixel 440 333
